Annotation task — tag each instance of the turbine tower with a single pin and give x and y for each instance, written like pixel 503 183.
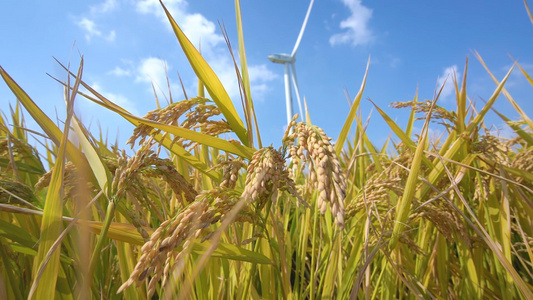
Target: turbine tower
pixel 288 61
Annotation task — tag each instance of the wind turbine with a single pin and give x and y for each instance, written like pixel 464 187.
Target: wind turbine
pixel 288 61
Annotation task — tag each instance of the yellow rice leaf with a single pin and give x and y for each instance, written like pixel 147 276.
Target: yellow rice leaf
pixel 127 233
pixel 210 80
pixel 102 174
pixel 457 144
pixel 461 102
pixel 307 115
pixel 123 232
pixel 51 130
pixel 523 115
pixel 244 72
pixel 165 141
pixel 351 115
pixel 44 284
pixel 522 133
pixel 412 115
pixel 404 205
pixel 528 11
pixel 401 134
pixel 524 72
pixel 192 135
pixel 477 120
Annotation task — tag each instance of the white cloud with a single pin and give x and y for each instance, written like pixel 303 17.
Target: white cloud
pixel 120 72
pixel 104 7
pixel 259 76
pixel 91 30
pixel 355 27
pixel 449 75
pixel 152 70
pixel 261 73
pixel 200 30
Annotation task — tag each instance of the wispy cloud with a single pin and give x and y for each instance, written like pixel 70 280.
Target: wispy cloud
pixel 355 27
pixel 91 30
pixel 447 78
pixel 89 26
pixel 104 7
pixel 120 72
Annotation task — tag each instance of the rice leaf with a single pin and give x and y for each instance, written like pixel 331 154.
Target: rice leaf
pixel 244 73
pixel 523 115
pixel 400 133
pixel 210 80
pixel 412 117
pixel 16 234
pixel 100 170
pixel 404 206
pixel 528 138
pixel 199 137
pixel 528 11
pixel 44 284
pixel 51 130
pixel 339 144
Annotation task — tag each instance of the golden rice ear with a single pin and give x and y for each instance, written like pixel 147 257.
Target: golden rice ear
pixel 310 146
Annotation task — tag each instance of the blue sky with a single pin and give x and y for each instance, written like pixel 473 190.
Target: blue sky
pixel 126 44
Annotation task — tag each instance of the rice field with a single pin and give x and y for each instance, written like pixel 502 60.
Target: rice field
pixel 202 210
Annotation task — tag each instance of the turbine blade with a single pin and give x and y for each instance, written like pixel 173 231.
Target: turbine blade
pixel 288 94
pixel 302 30
pixel 297 90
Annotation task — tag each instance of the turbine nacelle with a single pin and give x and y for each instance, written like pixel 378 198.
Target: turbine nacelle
pixel 281 58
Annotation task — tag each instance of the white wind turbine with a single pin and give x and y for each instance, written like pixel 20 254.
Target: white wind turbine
pixel 288 61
